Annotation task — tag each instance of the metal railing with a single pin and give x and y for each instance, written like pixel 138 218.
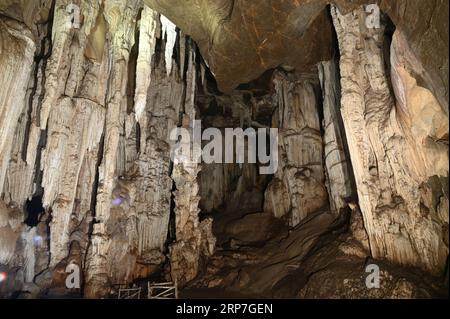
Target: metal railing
pixel 165 290
pixel 129 293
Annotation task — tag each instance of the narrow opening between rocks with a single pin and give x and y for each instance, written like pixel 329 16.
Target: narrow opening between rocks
pixel 34 209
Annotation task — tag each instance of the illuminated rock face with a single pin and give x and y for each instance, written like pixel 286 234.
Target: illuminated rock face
pixel 91 139
pixel 393 176
pixel 298 188
pixel 17 48
pixel 86 113
pixel 242 39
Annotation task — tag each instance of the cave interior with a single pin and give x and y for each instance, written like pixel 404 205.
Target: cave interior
pixel 92 95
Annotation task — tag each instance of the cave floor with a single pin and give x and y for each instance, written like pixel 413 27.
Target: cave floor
pixel 317 259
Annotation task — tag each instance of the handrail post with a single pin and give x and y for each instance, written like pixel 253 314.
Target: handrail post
pixel 176 289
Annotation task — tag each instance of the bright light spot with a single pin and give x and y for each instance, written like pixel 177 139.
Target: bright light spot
pixel 37 241
pixel 2 276
pixel 117 201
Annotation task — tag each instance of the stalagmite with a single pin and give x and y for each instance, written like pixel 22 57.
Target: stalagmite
pixel 194 239
pixel 299 182
pixel 336 160
pixel 91 175
pixel 29 242
pixel 121 17
pixel 401 221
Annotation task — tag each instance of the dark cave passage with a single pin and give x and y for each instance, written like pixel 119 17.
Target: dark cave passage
pixel 34 210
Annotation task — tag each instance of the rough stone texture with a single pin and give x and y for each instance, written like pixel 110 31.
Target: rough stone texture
pixel 330 273
pixel 231 191
pixel 318 259
pixel 244 232
pixel 241 38
pixel 91 140
pixel 85 174
pixel 257 271
pixel 16 61
pixel 11 227
pixel 426 34
pixel 393 182
pixel 194 239
pixel 298 188
pixel 420 112
pixel 337 162
pixel 31 13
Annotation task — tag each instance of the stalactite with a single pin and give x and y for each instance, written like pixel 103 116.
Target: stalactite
pixel 121 17
pixel 143 189
pixel 23 178
pixel 70 115
pixel 29 240
pixel 86 177
pixel 152 170
pixel 402 226
pixel 74 138
pixel 194 239
pixel 336 160
pixel 16 63
pixel 62 37
pixel 169 33
pixel 299 182
pixel 147 43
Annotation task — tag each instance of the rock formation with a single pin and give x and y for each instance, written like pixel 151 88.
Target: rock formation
pixel 392 179
pixel 194 239
pixel 299 183
pixel 337 163
pixel 252 38
pixel 90 176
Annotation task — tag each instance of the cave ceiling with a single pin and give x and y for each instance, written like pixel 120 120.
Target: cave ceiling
pixel 91 176
pixel 241 39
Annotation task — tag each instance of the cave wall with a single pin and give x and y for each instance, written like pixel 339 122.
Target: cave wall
pixel 241 39
pixel 194 238
pixel 17 43
pixel 86 115
pixel 16 63
pixel 230 191
pixel 393 176
pixel 339 176
pixel 89 136
pixel 298 187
